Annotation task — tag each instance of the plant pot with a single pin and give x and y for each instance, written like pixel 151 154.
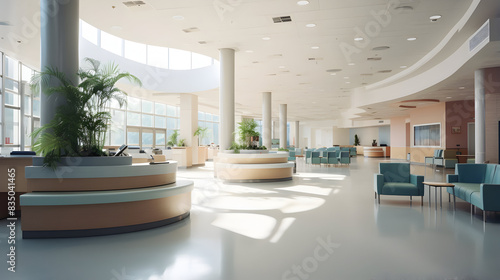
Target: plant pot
pixel 88 161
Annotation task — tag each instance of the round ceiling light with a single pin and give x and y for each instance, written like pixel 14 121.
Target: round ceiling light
pixel 310 25
pixel 351 64
pixel 302 3
pixel 403 66
pixel 461 88
pixel 266 38
pixel 314 47
pixel 358 39
pixel 435 17
pixel 411 39
pixel 178 17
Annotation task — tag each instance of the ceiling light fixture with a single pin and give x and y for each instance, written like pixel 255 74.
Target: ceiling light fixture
pixel 434 18
pixel 448 97
pixel 351 64
pixel 358 39
pixel 302 3
pixel 249 51
pixel 347 82
pixel 266 38
pixel 333 74
pixel 411 39
pixel 178 17
pixel 461 88
pixel 314 47
pixel 310 25
pixel 281 67
pixel 346 77
pixel 403 66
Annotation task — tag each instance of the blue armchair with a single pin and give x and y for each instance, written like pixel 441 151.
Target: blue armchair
pixel 315 158
pixel 394 178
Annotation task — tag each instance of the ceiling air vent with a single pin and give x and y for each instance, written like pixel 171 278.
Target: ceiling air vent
pixel 482 34
pixel 333 70
pixel 282 19
pixel 367 74
pixel 315 58
pixel 385 71
pixel 374 58
pixel 380 121
pixel 134 3
pixel 202 42
pixel 191 29
pixel 381 48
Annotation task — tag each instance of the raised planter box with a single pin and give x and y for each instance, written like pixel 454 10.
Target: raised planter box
pixel 254 152
pixel 88 161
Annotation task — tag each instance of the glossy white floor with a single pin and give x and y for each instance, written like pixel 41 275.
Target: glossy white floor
pixel 324 224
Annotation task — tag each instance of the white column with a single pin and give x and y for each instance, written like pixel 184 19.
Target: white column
pixel 59 47
pixel 480 116
pixel 297 135
pixel 266 119
pixel 226 98
pixel 189 123
pixel 283 126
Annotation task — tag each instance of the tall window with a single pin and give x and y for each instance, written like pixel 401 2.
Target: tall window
pixel 427 135
pixel 211 122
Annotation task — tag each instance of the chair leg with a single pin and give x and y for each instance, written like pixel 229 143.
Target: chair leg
pixel 411 198
pixel 449 197
pixel 378 199
pixel 484 216
pixel 375 195
pixel 422 201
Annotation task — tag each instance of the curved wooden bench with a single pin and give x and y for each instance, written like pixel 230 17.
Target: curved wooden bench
pixel 91 213
pixel 255 172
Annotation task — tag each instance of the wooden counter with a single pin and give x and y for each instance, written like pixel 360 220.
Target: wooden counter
pixel 376 151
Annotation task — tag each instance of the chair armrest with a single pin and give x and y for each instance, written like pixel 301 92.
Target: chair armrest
pixel 379 182
pixel 490 193
pixel 451 178
pixel 418 180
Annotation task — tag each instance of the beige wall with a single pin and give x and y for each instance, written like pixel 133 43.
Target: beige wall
pixel 340 136
pixel 398 138
pixel 427 115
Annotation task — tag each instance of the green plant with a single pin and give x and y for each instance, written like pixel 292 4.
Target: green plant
pixel 235 147
pixel 172 139
pixel 246 130
pixel 283 150
pixel 79 127
pixel 356 140
pixel 202 133
pixel 182 142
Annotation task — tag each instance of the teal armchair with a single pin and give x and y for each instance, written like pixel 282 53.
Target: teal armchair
pixel 308 156
pixel 315 158
pixel 332 158
pixel 291 156
pixel 394 178
pixel 344 157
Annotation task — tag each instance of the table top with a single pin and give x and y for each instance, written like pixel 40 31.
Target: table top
pixel 438 184
pixel 466 155
pixel 299 156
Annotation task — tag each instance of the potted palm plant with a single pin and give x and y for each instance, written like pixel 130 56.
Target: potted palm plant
pixel 173 138
pixel 202 133
pixel 248 136
pixel 78 128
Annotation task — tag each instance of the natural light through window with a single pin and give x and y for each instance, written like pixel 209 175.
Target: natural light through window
pixel 135 51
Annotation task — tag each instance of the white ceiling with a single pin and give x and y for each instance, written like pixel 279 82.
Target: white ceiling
pixel 310 92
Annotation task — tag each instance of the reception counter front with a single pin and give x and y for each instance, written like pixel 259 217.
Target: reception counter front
pixel 376 151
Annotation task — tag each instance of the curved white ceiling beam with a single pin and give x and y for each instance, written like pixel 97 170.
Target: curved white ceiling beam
pixel 460 24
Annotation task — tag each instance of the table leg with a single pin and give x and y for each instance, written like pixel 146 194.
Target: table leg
pixel 454 206
pixel 430 196
pixel 436 198
pixel 440 198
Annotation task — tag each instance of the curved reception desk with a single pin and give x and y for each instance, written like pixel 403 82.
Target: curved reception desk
pixel 253 168
pixel 376 151
pixel 87 200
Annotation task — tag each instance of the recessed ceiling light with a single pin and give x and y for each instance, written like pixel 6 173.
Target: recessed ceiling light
pixel 333 74
pixel 351 64
pixel 435 17
pixel 310 25
pixel 346 77
pixel 302 3
pixel 314 47
pixel 281 67
pixel 411 39
pixel 461 88
pixel 266 38
pixel 403 66
pixel 116 27
pixel 358 39
pixel 178 17
pixel 347 82
pixel 448 97
pixel 249 51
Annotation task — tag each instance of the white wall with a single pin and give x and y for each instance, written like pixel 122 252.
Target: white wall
pixel 340 136
pixel 365 134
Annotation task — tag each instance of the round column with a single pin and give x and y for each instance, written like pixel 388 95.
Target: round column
pixel 297 135
pixel 283 126
pixel 59 48
pixel 266 120
pixel 480 117
pixel 226 98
